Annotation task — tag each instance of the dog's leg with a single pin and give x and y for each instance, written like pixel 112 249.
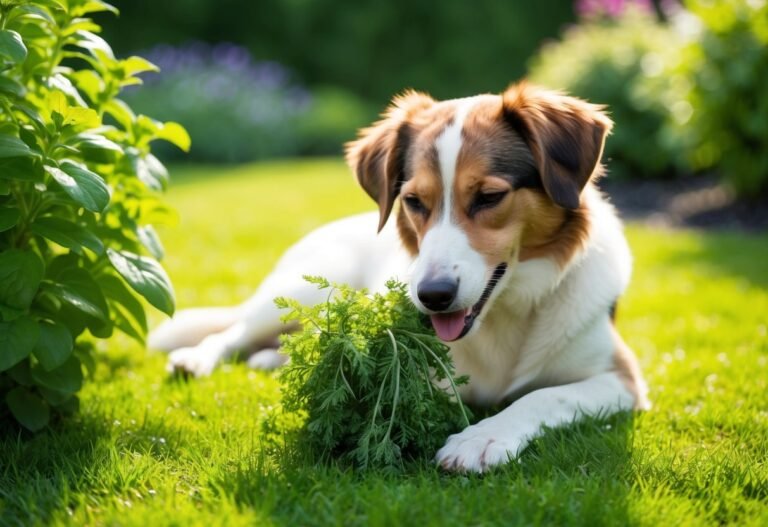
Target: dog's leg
pixel 504 436
pixel 258 323
pixel 190 326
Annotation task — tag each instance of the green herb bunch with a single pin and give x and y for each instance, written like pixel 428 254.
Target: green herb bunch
pixel 365 374
pixel 79 192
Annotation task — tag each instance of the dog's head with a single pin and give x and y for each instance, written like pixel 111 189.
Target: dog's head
pixel 484 182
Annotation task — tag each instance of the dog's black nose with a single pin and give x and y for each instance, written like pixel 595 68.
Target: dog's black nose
pixel 437 295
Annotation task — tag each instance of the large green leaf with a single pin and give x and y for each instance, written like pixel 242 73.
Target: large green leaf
pixel 85 187
pixel 97 147
pixel 21 169
pixel 28 409
pixel 146 277
pixel 17 339
pixel 8 218
pixel 148 169
pixel 176 134
pixel 127 311
pixel 76 287
pixel 11 146
pixel 20 275
pixel 10 86
pixel 54 345
pixel 149 239
pixel 83 7
pixel 67 378
pixel 67 234
pixel 12 46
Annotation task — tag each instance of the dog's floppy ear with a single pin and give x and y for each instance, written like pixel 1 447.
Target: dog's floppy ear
pixel 565 134
pixel 378 155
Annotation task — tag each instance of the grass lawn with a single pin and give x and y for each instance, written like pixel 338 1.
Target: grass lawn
pixel 146 450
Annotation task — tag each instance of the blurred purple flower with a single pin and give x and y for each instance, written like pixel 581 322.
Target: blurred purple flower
pixel 610 8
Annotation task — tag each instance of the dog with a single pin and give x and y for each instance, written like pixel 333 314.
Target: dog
pixel 506 244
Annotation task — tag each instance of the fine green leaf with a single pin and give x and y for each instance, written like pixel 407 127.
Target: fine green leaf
pixel 12 46
pixel 54 345
pixel 67 378
pixel 67 234
pixel 85 187
pixel 146 277
pixel 28 409
pixel 20 275
pixel 17 340
pixel 9 218
pixel 361 378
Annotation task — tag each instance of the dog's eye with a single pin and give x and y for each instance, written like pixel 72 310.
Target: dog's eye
pixel 486 200
pixel 415 204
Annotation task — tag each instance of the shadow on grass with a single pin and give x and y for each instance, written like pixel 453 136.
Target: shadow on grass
pixel 737 255
pixel 74 461
pixel 575 475
pixel 39 470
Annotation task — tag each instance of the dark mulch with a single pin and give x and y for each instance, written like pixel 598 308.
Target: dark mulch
pixel 697 202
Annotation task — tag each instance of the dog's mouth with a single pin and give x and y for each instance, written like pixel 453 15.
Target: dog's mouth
pixel 456 324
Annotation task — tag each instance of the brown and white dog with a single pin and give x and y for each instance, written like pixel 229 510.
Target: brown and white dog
pixel 506 244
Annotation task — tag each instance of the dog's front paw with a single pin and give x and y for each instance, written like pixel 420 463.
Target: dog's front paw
pixel 198 361
pixel 478 448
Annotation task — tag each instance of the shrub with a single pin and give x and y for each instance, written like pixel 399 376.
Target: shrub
pixel 77 198
pixel 618 63
pixel 722 73
pixel 332 118
pixel 234 108
pixel 371 49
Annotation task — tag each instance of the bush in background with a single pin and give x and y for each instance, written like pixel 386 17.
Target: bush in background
pixel 237 109
pixel 721 76
pixel 452 48
pixel 687 95
pixel 77 199
pixel 618 62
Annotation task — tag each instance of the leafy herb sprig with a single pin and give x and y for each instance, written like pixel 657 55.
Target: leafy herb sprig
pixel 373 384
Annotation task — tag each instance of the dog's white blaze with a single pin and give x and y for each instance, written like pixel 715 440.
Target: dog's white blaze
pixel 448 144
pixel 445 250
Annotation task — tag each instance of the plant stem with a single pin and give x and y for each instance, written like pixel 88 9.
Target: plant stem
pixel 396 397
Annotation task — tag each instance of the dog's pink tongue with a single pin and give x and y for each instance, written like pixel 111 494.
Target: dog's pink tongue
pixel 448 326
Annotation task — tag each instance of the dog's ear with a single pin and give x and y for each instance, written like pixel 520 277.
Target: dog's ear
pixel 378 156
pixel 565 135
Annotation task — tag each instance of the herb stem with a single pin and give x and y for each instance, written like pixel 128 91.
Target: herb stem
pixel 396 397
pixel 447 374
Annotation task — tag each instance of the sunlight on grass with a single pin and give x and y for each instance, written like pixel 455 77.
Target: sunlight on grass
pixel 146 450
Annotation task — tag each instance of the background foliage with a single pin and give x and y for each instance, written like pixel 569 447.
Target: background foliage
pixel 371 49
pixel 721 74
pixel 618 63
pixel 337 62
pixel 77 199
pixel 685 91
